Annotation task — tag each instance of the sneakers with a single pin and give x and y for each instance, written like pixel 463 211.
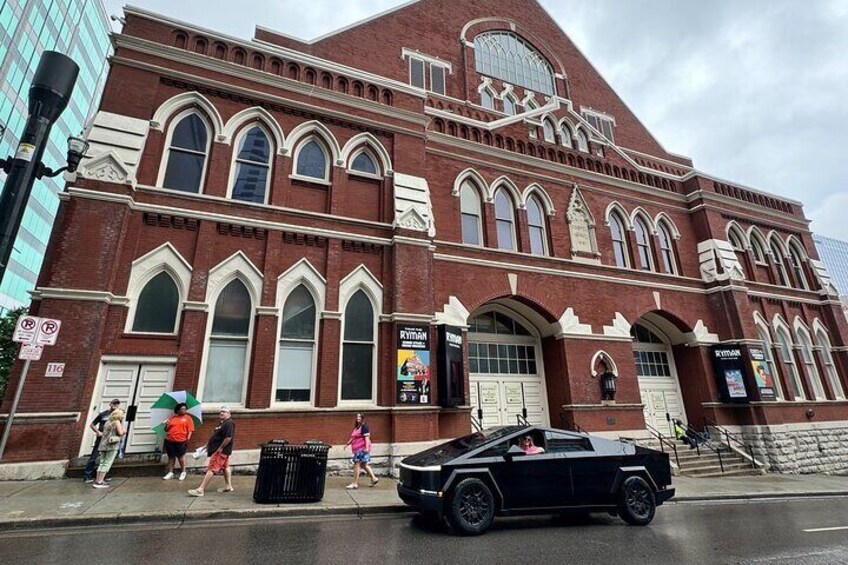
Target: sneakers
pixel 374 482
pixel 89 481
pixel 225 489
pixel 100 485
pixel 196 492
pixel 169 476
pixel 352 486
pixel 182 476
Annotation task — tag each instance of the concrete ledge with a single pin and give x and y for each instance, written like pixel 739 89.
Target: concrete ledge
pixel 33 471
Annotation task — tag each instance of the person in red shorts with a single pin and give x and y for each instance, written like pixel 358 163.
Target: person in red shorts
pixel 219 448
pixel 178 430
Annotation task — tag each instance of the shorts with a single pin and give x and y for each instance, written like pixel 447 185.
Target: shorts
pixel 218 462
pixel 175 448
pixel 106 460
pixel 361 456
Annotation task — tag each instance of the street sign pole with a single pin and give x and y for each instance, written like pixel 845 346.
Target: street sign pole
pixel 8 427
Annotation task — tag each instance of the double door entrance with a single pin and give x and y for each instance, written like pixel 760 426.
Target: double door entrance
pixel 137 386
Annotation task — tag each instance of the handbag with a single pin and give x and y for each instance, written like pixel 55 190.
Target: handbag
pixel 113 439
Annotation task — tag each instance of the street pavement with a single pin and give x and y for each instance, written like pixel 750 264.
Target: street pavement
pixel 773 532
pixel 64 503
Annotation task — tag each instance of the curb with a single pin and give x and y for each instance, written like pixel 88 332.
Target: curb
pixel 277 512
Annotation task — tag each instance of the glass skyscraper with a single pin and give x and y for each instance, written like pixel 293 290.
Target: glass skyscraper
pixel 834 255
pixel 79 29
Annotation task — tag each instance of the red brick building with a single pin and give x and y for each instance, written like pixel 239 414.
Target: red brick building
pixel 265 222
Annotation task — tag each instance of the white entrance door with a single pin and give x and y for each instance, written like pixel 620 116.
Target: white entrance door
pixel 658 382
pixel 505 371
pixel 136 385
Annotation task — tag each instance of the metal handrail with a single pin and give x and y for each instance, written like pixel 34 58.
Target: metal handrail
pixel 476 424
pixel 729 436
pixel 663 442
pixel 522 420
pixel 702 438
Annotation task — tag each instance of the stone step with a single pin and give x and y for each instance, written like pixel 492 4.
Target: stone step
pixel 744 472
pixel 713 467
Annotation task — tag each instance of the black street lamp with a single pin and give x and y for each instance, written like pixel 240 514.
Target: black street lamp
pixel 49 94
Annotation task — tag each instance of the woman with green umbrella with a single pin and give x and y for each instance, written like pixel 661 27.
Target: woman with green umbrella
pixel 178 430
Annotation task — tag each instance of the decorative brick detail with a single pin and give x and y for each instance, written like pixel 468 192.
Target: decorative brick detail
pixel 242 231
pixel 168 221
pixel 304 239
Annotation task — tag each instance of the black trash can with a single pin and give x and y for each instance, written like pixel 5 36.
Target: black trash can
pixel 291 473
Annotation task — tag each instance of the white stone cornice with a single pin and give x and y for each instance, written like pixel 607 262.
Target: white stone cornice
pixel 189 306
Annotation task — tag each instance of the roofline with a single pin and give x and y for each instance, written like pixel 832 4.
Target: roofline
pixel 341 29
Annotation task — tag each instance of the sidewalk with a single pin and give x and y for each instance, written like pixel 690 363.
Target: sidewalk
pixel 70 503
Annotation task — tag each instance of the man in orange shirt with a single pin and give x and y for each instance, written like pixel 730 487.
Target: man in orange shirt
pixel 178 429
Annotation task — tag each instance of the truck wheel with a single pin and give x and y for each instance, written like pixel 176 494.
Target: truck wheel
pixel 636 503
pixel 472 507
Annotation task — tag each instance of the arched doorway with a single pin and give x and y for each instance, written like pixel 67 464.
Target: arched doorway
pixel 659 385
pixel 506 370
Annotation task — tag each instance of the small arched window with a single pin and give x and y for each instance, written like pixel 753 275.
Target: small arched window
pixel 227 361
pixel 758 249
pixel 251 175
pixel 358 349
pixel 581 141
pixel 188 145
pixel 364 163
pixel 736 240
pixel 487 99
pixel 312 161
pixel 763 334
pixel 296 358
pixel 829 366
pixel 536 221
pixel 549 131
pixel 505 221
pixel 158 304
pixel 779 266
pixel 619 240
pixel 567 140
pixel 784 343
pixel 810 363
pixel 509 105
pixel 666 248
pixel 796 257
pixel 643 244
pixel 470 210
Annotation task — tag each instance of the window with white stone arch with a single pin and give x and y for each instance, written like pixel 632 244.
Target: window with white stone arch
pixel 251 170
pixel 619 240
pixel 358 349
pixel 536 223
pixel 581 141
pixel 187 148
pixel 666 248
pixel 312 161
pixel 227 363
pixel 158 306
pixel 807 356
pixel 297 347
pixel 549 130
pixel 763 334
pixel 472 232
pixel 509 105
pixel 796 258
pixel 567 138
pixel 779 265
pixel 823 343
pixel 643 244
pixel 505 220
pixel 784 343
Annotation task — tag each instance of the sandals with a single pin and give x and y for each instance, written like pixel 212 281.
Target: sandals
pixel 374 482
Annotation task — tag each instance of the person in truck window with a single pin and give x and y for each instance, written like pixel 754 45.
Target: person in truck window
pixel 529 447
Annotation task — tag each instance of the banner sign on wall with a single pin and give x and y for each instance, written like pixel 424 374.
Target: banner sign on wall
pixel 729 372
pixel 413 364
pixel 762 375
pixel 451 367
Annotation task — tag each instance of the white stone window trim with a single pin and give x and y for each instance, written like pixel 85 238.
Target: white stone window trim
pixel 534 197
pixel 166 154
pixel 769 349
pixel 407 53
pixel 780 256
pixel 783 340
pixel 361 279
pixel 302 273
pixel 797 257
pixel 468 184
pixel 824 345
pixel 663 231
pixel 734 228
pixel 164 258
pixel 513 205
pixel 235 161
pixel 808 356
pixel 188 100
pixel 757 242
pixel 237 266
pixel 262 116
pixel 366 142
pixel 327 161
pixel 641 218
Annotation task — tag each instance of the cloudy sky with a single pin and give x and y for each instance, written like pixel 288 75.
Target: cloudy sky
pixel 755 91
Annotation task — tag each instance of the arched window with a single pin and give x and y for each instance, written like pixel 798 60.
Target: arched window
pixel 581 141
pixel 829 366
pixel 763 334
pixel 509 105
pixel 810 363
pixel 796 257
pixel 296 360
pixel 487 99
pixel 666 249
pixel 471 225
pixel 157 307
pixel 358 349
pixel 784 343
pixel 536 221
pixel 227 362
pixel 619 240
pixel 758 249
pixel 736 240
pixel 777 257
pixel 188 145
pixel 505 220
pixel 567 140
pixel 643 244
pixel 549 130
pixel 312 161
pixel 505 55
pixel 252 166
pixel 364 163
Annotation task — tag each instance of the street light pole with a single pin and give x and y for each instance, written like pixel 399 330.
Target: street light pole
pixel 49 94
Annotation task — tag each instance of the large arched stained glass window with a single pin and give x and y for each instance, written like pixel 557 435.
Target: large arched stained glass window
pixel 504 55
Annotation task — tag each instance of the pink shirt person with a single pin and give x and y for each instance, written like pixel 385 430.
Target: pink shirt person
pixel 528 446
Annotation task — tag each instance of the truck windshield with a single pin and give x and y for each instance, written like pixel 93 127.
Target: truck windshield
pixel 452 449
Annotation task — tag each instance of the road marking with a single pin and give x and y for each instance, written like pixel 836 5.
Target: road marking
pixel 834 529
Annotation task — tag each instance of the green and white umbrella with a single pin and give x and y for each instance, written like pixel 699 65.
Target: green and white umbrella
pixel 163 409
